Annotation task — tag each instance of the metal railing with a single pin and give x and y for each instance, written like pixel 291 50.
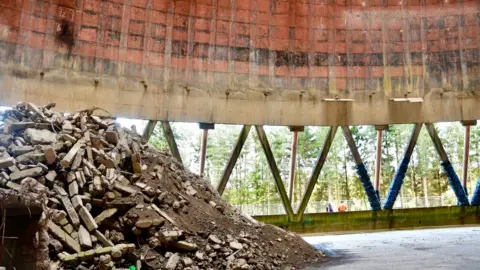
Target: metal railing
pixel 353 205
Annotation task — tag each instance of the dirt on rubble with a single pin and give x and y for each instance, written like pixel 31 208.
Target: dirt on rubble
pixel 205 213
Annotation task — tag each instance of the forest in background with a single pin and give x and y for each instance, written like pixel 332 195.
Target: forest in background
pixel 251 186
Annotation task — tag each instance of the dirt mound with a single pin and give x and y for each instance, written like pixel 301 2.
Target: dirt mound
pixel 110 201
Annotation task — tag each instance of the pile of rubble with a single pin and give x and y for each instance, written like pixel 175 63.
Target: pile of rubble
pixel 109 201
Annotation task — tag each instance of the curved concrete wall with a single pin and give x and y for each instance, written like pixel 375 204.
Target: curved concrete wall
pixel 246 61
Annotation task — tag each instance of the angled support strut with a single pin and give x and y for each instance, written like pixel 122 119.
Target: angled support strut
pixel 362 171
pixel 397 181
pixel 276 174
pixel 316 172
pixel 172 144
pixel 447 167
pixel 147 133
pixel 233 158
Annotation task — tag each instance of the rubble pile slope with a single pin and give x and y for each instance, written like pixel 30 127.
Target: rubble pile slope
pixel 111 202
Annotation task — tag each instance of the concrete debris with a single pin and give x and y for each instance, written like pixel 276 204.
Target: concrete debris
pixel 6 162
pixel 172 262
pixel 114 203
pixel 40 136
pixel 33 172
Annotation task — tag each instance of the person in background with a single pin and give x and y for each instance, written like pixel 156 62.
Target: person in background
pixel 329 207
pixel 342 207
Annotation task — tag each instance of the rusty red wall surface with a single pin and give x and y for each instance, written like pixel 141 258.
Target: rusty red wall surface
pixel 282 50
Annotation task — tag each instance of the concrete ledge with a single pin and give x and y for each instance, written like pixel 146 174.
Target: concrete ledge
pixel 364 221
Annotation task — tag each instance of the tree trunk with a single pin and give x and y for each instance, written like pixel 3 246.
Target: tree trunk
pixel 329 190
pixel 414 184
pixel 425 191
pixel 347 189
pixel 397 161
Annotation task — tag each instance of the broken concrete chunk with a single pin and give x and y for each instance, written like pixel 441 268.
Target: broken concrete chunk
pixel 63 237
pixel 163 214
pixel 33 172
pixel 55 244
pixel 80 178
pixel 105 214
pixel 77 202
pixel 69 138
pixel 73 188
pixel 143 223
pixel 185 246
pixel 108 162
pixel 6 162
pixel 74 219
pixel 40 136
pixel 191 191
pixel 199 255
pixel 4 175
pixel 87 219
pixel 51 175
pixel 91 167
pixel 30 158
pixel 68 228
pixel 11 126
pixel 97 185
pixel 172 262
pixel 125 189
pixel 56 146
pixel 169 236
pixel 20 150
pixel 13 185
pixel 214 239
pixel 67 160
pixel 62 221
pixel 13 169
pixel 78 159
pixel 236 245
pixel 60 190
pixel 110 174
pixel 187 261
pixel 102 239
pixel 116 252
pixel 5 140
pixel 67 126
pixel 84 237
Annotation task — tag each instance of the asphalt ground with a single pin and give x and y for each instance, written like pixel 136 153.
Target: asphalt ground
pixel 446 248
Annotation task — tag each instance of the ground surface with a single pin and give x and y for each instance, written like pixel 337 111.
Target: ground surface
pixel 448 248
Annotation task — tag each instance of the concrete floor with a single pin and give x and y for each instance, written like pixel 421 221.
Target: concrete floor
pixel 446 248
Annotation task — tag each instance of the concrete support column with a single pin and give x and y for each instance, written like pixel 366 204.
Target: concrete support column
pixel 466 151
pixel 203 149
pixel 293 159
pixel 378 160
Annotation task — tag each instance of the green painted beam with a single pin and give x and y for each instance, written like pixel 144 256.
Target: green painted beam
pixel 233 158
pixel 316 172
pixel 352 145
pixel 436 141
pixel 398 177
pixel 274 169
pixel 172 144
pixel 368 221
pixel 147 133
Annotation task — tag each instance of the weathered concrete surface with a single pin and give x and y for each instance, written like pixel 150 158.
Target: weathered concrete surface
pixel 245 62
pixel 448 248
pixel 364 221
